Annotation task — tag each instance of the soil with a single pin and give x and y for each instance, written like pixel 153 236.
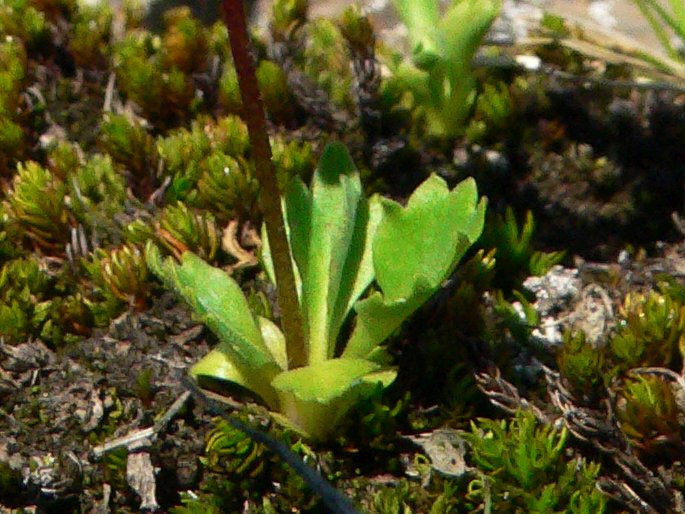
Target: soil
pixel 65 404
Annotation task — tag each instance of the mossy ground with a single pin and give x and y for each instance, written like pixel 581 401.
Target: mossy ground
pixel 133 137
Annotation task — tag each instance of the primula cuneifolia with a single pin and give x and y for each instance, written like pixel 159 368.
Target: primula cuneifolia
pixel 440 78
pixel 341 243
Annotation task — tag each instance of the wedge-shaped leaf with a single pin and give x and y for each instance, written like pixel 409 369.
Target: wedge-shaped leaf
pixel 221 305
pixel 425 240
pixel 219 364
pixel 315 398
pixel 415 249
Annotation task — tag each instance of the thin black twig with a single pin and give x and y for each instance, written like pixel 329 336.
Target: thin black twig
pixel 336 502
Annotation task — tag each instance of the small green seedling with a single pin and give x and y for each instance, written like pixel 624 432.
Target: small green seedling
pixel 443 47
pixel 341 243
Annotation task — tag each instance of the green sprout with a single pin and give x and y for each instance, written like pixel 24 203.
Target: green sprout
pixel 440 79
pixel 516 256
pixel 37 208
pixel 340 243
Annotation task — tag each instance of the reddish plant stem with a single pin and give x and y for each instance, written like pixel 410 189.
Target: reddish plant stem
pixel 269 196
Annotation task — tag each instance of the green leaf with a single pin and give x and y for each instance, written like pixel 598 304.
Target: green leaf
pixel 421 18
pixel 330 229
pixel 275 341
pixel 324 382
pixel 221 305
pixel 414 250
pixel 462 29
pixel 218 364
pixel 425 240
pixel 221 364
pixel 334 241
pixel 378 318
pixel 315 398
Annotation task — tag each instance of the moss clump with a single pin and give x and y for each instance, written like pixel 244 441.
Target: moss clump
pixel 120 276
pixel 228 187
pixel 147 77
pixel 647 409
pixel 12 74
pixel 32 305
pixel 582 365
pixel 132 149
pixel 652 333
pixel 182 229
pixel 91 31
pixel 37 209
pixel 521 468
pixel 20 19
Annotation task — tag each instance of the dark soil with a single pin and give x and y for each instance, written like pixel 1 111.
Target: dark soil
pixel 58 406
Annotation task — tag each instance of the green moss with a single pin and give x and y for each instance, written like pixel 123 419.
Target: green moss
pixel 182 152
pixel 648 412
pixel 97 191
pixel 652 332
pixel 515 255
pixel 582 365
pixel 493 114
pixel 203 503
pixel 233 453
pixel 35 303
pixel 327 63
pixel 229 135
pixel 37 209
pixel 228 188
pixel 185 41
pixel 278 101
pixel 162 92
pixel 19 19
pixel 181 229
pixel 292 159
pixel 287 16
pixel 522 467
pixel 120 278
pixel 90 33
pixel 12 74
pixel 130 146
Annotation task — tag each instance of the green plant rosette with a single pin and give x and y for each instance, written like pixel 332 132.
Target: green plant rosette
pixel 340 243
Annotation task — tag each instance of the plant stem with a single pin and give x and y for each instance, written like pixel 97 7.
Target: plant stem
pixel 269 196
